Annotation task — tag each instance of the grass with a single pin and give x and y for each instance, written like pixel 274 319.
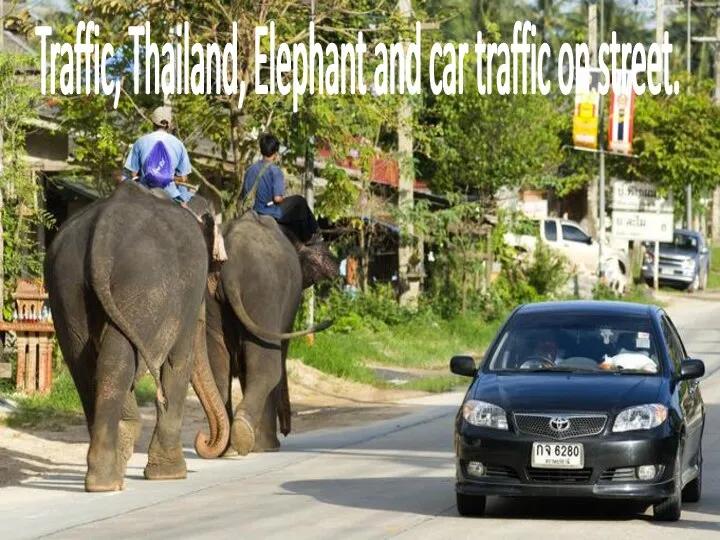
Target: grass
pixel 714 276
pixel 62 406
pixel 423 345
pixel 440 383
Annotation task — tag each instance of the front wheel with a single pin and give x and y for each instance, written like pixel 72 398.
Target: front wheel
pixel 470 505
pixel 695 285
pixel 671 508
pixel 693 491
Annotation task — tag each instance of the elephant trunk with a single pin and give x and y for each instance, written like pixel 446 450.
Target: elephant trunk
pixel 204 385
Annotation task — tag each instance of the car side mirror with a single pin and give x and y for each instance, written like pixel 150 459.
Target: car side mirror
pixel 463 365
pixel 704 251
pixel 691 369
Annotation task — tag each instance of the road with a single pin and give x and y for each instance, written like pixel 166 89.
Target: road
pixel 392 479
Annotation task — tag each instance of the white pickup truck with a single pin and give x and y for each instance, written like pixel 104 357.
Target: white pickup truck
pixel 580 248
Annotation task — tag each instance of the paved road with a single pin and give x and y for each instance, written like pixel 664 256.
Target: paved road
pixel 389 480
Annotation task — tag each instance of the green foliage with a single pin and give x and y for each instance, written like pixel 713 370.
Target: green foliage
pixel 19 189
pixel 678 139
pixel 62 406
pixel 602 291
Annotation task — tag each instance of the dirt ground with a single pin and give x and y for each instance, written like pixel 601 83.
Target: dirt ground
pixel 319 401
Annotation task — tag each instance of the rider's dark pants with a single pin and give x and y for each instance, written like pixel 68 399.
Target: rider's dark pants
pixel 296 215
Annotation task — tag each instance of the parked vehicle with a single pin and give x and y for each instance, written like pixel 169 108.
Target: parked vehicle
pixel 685 261
pixel 583 251
pixel 582 399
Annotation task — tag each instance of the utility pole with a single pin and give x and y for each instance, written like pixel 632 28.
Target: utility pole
pixel 592 194
pixel 408 292
pixel 659 34
pixel 310 179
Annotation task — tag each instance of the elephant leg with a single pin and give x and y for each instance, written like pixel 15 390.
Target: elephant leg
pixel 166 460
pixel 114 379
pixel 82 365
pixel 263 369
pixel 276 407
pixel 266 439
pixel 130 427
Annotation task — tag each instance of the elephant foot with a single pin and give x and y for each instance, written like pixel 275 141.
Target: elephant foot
pixel 266 449
pixel 266 443
pixel 166 471
pixel 243 435
pixel 230 452
pixel 95 483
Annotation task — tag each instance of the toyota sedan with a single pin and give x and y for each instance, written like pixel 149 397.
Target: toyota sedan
pixel 582 399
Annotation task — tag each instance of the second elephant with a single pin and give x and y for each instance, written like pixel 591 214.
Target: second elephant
pixel 251 308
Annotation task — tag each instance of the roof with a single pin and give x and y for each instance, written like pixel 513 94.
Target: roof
pixel 588 307
pixel 74 187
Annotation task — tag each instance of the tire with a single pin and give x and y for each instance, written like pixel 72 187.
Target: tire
pixel 470 505
pixel 671 508
pixel 695 285
pixel 703 286
pixel 693 491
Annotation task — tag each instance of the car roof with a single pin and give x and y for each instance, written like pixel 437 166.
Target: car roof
pixel 589 307
pixel 687 232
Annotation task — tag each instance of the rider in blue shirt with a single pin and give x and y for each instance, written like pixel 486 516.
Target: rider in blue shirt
pixel 270 199
pixel 180 161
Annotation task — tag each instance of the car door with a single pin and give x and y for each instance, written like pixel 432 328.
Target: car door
pixel 688 396
pixel 579 247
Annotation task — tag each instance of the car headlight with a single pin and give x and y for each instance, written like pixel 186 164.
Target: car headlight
pixel 483 414
pixel 688 264
pixel 640 417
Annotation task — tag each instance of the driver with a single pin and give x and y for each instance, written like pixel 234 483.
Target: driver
pixel 546 347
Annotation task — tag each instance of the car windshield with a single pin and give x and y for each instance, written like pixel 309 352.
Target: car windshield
pixel 577 343
pixel 681 241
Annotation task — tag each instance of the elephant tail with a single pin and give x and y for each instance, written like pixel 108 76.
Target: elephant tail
pixel 204 385
pixel 100 272
pixel 284 410
pixel 233 295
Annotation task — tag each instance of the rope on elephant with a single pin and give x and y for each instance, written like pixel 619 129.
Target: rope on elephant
pixel 218 253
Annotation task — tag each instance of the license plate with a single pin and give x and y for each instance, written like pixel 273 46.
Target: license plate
pixel 557 456
pixel 667 271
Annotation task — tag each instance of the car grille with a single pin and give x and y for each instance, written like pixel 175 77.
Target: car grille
pixel 498 471
pixel 555 476
pixel 585 425
pixel 666 261
pixel 625 474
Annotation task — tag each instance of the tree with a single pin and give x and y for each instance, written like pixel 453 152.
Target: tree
pixel 479 143
pixel 677 140
pixel 19 99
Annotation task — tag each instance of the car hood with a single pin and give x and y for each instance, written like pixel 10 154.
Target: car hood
pixel 567 391
pixel 676 253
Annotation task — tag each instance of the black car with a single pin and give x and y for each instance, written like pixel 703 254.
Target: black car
pixel 582 399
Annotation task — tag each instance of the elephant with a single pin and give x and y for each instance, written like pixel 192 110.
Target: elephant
pixel 251 306
pixel 126 280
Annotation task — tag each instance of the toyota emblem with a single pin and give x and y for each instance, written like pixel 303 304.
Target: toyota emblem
pixel 559 424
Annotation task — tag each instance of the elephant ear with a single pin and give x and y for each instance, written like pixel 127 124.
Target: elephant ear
pixel 317 264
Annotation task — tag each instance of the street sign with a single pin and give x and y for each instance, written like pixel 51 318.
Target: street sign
pixel 640 197
pixel 535 209
pixel 587 108
pixel 622 105
pixel 643 226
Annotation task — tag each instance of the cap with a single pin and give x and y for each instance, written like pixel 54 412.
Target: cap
pixel 162 116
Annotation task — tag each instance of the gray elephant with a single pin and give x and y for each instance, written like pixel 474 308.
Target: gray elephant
pixel 126 279
pixel 251 308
